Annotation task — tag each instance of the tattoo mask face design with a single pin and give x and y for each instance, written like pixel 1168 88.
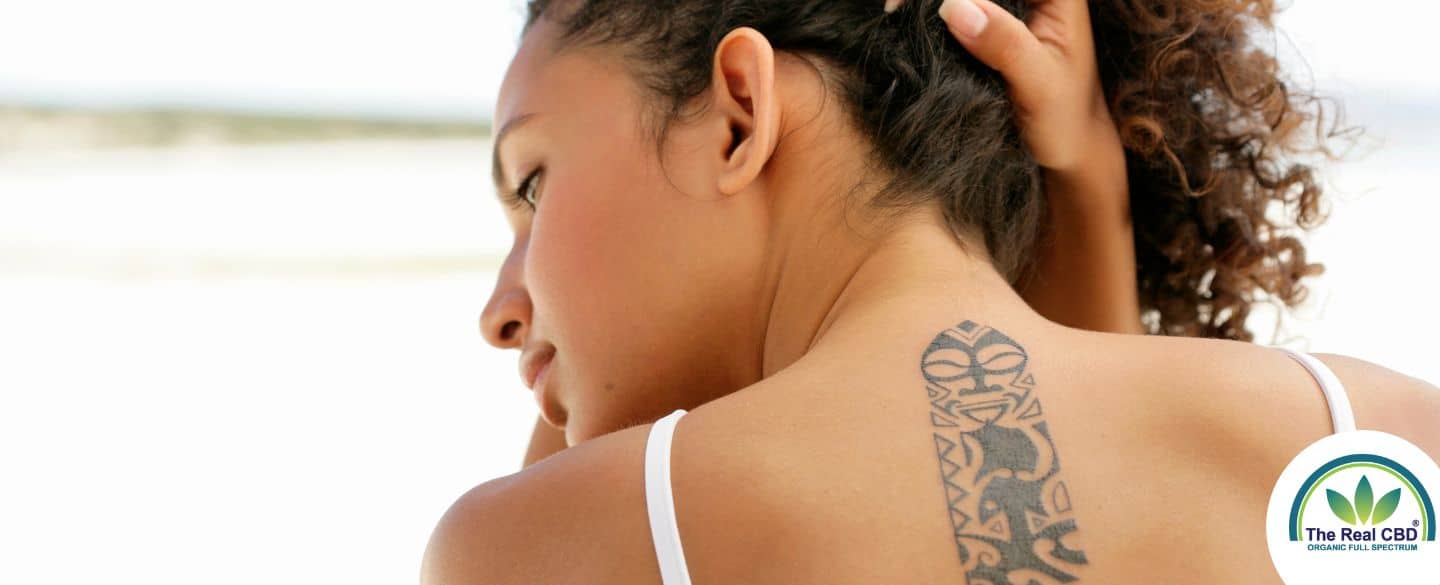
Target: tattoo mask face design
pixel 969 370
pixel 1008 505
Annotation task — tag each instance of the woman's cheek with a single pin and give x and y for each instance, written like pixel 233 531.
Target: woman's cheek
pixel 591 254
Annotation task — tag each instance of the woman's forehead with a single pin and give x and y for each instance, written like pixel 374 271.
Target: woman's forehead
pixel 526 71
pixel 546 76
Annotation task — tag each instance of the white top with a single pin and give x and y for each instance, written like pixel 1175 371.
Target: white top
pixel 1342 419
pixel 661 500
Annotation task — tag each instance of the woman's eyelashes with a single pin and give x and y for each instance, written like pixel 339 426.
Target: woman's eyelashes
pixel 525 193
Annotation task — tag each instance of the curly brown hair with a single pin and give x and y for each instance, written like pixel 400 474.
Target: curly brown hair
pixel 1216 138
pixel 1209 128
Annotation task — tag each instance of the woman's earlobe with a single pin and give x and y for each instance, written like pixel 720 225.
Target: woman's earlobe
pixel 745 89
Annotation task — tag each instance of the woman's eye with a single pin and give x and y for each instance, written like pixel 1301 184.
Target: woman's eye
pixel 528 189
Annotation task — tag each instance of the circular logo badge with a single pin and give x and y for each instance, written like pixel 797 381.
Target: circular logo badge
pixel 1356 507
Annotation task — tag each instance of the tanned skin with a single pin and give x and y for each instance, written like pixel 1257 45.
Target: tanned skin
pixel 1084 274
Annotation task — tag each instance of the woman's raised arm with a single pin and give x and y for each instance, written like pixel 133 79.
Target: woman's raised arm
pixel 1085 268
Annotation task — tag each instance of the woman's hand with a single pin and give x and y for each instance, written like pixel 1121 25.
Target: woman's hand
pixel 1050 70
pixel 1085 266
pixel 1049 65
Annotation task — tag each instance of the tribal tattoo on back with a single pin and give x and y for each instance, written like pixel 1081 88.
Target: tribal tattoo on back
pixel 1007 504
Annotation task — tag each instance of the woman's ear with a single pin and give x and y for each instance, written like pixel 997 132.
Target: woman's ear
pixel 744 93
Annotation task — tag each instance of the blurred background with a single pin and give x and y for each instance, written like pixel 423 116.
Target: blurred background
pixel 244 247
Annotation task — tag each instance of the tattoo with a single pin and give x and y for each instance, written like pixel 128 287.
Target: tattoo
pixel 1008 507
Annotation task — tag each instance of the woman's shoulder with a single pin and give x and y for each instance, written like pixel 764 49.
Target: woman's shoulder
pixel 541 524
pixel 1390 401
pixel 580 515
pixel 1217 399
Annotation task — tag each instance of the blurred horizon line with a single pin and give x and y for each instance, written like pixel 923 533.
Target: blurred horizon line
pixel 470 112
pixel 457 109
pixel 29 128
pixel 33 124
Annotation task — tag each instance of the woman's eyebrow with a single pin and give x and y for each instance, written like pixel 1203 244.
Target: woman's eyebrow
pixel 497 170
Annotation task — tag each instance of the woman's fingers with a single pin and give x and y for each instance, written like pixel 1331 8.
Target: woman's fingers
pixel 891 5
pixel 1071 12
pixel 998 39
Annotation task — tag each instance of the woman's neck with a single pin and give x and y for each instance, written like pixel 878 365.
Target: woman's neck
pixel 831 263
pixel 835 280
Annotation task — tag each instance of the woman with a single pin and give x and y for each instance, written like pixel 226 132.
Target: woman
pixel 827 207
pixel 1084 271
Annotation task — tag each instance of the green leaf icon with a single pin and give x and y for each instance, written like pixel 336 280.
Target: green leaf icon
pixel 1340 506
pixel 1364 500
pixel 1386 506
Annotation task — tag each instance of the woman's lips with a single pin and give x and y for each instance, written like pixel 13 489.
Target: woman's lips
pixel 535 372
pixel 531 362
pixel 547 411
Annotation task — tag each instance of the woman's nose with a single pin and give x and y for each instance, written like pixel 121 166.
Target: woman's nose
pixel 506 318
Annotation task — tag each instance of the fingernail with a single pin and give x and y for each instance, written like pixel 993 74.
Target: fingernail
pixel 892 5
pixel 964 16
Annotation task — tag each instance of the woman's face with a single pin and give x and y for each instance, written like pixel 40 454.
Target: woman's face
pixel 644 278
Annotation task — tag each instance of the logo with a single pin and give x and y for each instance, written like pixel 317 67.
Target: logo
pixel 1354 507
pixel 1361 513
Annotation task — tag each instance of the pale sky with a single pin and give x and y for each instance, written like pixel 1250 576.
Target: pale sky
pixel 417 57
pixel 445 58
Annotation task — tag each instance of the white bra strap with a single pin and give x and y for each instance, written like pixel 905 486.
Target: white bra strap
pixel 661 502
pixel 1341 417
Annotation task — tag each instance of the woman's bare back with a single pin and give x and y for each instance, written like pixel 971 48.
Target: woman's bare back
pixel 1084 457
pixel 1102 458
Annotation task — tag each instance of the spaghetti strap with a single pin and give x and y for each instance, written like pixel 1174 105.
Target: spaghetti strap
pixel 660 501
pixel 1342 418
